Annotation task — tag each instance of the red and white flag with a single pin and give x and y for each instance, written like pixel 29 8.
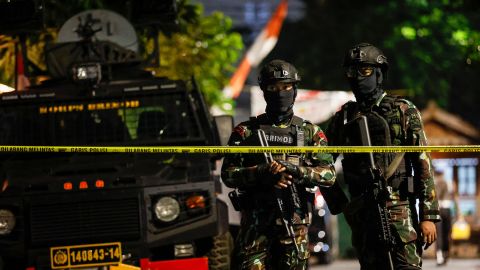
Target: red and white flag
pixel 260 48
pixel 22 81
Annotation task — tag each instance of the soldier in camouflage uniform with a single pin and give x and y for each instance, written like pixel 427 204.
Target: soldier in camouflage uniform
pixel 263 242
pixel 391 121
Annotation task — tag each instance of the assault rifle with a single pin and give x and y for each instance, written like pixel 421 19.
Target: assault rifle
pixel 380 194
pixel 287 217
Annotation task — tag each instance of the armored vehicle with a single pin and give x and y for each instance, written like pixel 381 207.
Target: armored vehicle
pixel 94 210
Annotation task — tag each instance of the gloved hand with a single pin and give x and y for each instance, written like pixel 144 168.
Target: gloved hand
pixel 291 169
pixel 263 169
pixel 272 168
pixel 268 173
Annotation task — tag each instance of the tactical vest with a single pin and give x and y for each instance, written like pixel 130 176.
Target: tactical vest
pixel 277 136
pixel 293 135
pixel 386 124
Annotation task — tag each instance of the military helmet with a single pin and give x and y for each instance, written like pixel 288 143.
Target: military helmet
pixel 365 53
pixel 277 71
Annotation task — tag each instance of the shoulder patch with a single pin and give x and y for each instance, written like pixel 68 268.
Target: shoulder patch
pixel 322 136
pixel 240 130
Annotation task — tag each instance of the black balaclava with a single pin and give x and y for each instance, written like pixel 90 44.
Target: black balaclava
pixel 280 104
pixel 367 90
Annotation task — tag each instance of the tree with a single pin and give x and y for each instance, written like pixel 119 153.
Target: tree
pixel 203 47
pixel 198 45
pixel 58 12
pixel 438 44
pixel 432 46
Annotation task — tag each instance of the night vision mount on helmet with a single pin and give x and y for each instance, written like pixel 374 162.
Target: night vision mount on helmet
pixel 278 71
pixel 365 53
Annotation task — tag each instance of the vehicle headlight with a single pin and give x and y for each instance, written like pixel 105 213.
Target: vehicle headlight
pixel 167 209
pixel 7 221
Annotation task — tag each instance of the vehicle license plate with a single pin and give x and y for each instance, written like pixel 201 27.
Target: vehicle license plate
pixel 86 255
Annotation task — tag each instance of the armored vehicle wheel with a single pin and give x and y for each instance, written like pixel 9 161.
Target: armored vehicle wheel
pixel 219 255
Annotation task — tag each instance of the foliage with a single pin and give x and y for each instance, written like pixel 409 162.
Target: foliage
pixel 35 45
pixel 433 47
pixel 7 60
pixel 199 45
pixel 437 41
pixel 204 48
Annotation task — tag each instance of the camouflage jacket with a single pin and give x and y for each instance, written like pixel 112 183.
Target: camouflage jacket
pixel 405 128
pixel 317 168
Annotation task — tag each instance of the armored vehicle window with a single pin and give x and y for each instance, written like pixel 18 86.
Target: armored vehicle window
pixel 134 120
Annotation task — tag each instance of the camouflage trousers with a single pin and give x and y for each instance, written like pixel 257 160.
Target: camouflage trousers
pixel 407 253
pixel 268 247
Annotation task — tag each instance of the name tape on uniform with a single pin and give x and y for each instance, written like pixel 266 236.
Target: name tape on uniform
pixel 239 149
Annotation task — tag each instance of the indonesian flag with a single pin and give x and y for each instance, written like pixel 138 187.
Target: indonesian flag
pixel 260 48
pixel 22 81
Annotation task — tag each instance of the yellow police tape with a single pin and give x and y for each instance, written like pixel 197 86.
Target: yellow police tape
pixel 238 149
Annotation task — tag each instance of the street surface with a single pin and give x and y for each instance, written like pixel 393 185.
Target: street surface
pixel 454 264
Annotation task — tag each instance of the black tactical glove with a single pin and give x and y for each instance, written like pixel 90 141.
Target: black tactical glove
pixel 263 169
pixel 264 174
pixel 291 169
